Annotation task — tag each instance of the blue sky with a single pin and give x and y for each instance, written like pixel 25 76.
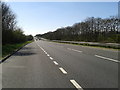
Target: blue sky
pixel 41 17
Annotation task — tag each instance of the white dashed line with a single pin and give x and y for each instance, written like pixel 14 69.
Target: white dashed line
pixel 45 52
pixel 76 84
pixel 69 48
pixel 107 58
pixel 42 48
pixel 48 55
pixel 62 70
pixel 74 50
pixel 51 58
pixel 55 63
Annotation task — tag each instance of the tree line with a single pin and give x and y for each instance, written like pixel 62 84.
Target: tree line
pixel 11 33
pixel 91 30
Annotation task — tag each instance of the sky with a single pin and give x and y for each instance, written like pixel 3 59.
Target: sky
pixel 41 17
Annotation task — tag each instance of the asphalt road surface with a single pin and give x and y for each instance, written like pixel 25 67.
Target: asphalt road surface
pixel 43 64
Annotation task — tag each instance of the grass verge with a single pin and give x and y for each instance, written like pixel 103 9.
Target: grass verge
pixel 9 48
pixel 96 46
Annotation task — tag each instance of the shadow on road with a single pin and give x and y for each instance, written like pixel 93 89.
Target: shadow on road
pixel 24 53
pixel 27 48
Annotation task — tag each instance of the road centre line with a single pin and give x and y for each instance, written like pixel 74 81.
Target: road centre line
pixel 55 62
pixel 76 84
pixel 43 50
pixel 51 58
pixel 40 47
pixel 107 58
pixel 62 70
pixel 48 55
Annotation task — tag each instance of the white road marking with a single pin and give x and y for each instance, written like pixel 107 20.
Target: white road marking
pixel 107 58
pixel 69 48
pixel 62 70
pixel 55 63
pixel 48 55
pixel 74 50
pixel 44 51
pixel 51 58
pixel 76 84
pixel 40 47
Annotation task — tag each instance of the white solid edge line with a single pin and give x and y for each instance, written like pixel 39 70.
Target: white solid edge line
pixel 76 84
pixel 107 58
pixel 62 70
pixel 55 62
pixel 51 58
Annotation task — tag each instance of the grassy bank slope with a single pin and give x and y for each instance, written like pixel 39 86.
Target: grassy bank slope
pixel 9 48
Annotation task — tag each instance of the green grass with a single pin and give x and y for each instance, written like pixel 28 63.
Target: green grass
pixel 9 48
